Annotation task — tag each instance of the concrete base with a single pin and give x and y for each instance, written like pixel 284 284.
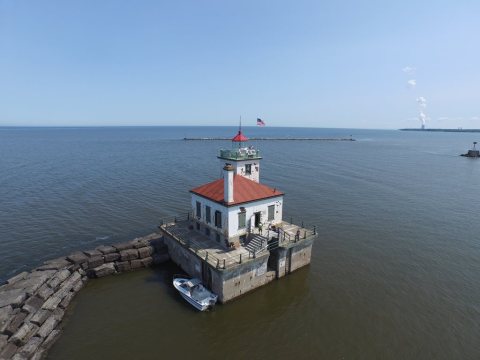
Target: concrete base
pixel 233 281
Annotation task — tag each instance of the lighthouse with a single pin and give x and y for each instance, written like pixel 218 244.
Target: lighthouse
pixel 234 238
pixel 233 208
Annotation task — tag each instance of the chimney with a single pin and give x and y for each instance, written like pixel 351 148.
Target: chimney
pixel 228 183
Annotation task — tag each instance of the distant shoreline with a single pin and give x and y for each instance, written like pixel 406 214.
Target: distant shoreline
pixel 445 130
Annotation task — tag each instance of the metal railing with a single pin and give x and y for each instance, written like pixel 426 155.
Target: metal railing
pixel 275 238
pixel 239 154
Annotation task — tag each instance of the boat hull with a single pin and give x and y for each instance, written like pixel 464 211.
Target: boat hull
pixel 205 303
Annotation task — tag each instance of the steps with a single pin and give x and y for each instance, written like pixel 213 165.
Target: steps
pixel 256 243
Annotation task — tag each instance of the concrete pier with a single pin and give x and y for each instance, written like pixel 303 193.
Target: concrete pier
pixel 230 273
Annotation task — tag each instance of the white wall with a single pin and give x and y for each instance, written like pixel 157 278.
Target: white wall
pixel 251 209
pixel 240 168
pixel 214 207
pixel 230 214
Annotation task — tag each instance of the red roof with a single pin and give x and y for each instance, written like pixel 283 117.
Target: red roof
pixel 239 137
pixel 244 190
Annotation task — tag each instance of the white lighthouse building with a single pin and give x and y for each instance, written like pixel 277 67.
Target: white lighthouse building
pixel 237 205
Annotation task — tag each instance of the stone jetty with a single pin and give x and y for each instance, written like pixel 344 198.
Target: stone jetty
pixel 33 304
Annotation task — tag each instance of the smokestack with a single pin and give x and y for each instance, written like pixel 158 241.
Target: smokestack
pixel 228 183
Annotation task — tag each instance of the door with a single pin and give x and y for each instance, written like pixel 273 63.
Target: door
pixel 257 219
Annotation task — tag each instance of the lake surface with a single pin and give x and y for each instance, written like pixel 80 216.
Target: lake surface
pixel 395 273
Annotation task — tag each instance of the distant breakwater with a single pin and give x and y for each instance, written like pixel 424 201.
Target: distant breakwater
pixel 268 139
pixel 444 130
pixel 33 304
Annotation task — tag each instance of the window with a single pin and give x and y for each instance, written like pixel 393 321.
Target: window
pixel 271 212
pixel 207 214
pixel 218 219
pixel 199 210
pixel 248 169
pixel 242 217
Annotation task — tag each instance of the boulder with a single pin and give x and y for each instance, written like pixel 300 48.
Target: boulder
pixel 68 285
pixel 106 249
pixel 123 266
pixel 48 326
pixel 147 261
pixel 145 252
pixel 32 282
pixel 135 264
pixel 30 347
pixel 124 246
pixel 44 292
pixel 13 297
pixel 14 323
pixel 92 253
pixel 8 351
pixel 50 339
pixel 66 300
pixel 6 314
pixel 157 243
pixel 104 270
pixel 3 341
pixel 32 304
pixel 58 314
pixel 52 303
pixel 24 333
pixel 55 264
pixel 130 254
pixel 58 278
pixel 39 354
pixel 77 258
pixel 17 277
pixel 95 261
pixel 19 356
pixel 40 316
pixel 78 285
pixel 139 243
pixel 111 257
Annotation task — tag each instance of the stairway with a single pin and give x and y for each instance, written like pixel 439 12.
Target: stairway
pixel 256 243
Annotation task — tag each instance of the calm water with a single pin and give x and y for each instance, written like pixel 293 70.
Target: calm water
pixel 394 275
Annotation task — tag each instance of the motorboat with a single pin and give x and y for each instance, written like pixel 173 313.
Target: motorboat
pixel 195 293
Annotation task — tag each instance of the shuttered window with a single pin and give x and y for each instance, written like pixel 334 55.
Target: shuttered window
pixel 207 214
pixel 199 210
pixel 218 219
pixel 271 212
pixel 242 220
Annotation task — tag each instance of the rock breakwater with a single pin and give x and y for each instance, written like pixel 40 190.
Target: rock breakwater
pixel 33 304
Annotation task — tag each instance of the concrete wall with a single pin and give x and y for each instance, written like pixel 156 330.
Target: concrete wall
pixel 33 304
pixel 288 259
pixel 184 258
pixel 238 281
pixel 227 284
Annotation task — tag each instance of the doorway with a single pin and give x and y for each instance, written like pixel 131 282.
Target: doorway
pixel 257 219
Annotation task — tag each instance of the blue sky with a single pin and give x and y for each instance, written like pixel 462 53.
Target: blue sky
pixel 192 62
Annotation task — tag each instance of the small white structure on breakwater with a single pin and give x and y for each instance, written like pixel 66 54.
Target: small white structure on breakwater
pixel 235 239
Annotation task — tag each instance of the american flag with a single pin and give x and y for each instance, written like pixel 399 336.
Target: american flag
pixel 260 122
